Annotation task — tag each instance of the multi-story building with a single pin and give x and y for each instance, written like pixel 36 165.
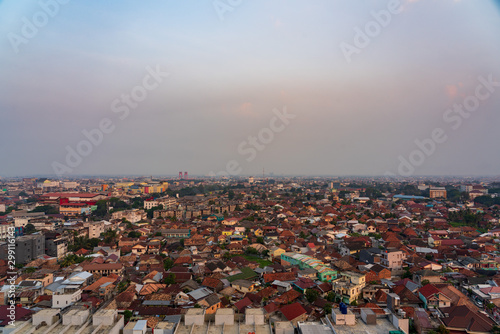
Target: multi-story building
pixel 133 216
pixel 350 285
pixel 392 259
pixel 95 229
pixel 437 192
pixel 72 209
pixel 166 202
pixel 28 248
pixel 176 233
pixel 57 247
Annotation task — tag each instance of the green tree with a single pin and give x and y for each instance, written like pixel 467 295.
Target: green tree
pixel 127 314
pixel 328 308
pixel 122 286
pixel 251 251
pixel 442 329
pixel 47 209
pixel 311 295
pixel 29 228
pixel 406 274
pixel 133 234
pixel 170 279
pixel 168 263
pixel 109 236
pixel 102 208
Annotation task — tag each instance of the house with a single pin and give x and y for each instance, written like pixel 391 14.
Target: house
pixel 282 287
pixel 426 275
pixel 304 283
pixel 211 303
pixel 140 248
pixel 294 312
pixel 461 319
pixel 433 297
pixel 276 251
pixel 213 283
pixel 243 285
pixel 377 273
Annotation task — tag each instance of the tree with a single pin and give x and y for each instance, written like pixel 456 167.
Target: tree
pixel 133 234
pixel 170 279
pixel 109 236
pixel 407 274
pixel 331 296
pixel 29 228
pixel 260 240
pixel 168 263
pixel 354 303
pixel 252 251
pixel 442 329
pixel 102 208
pixel 127 314
pixel 311 295
pixel 425 282
pixel 122 286
pixel 47 209
pixel 328 308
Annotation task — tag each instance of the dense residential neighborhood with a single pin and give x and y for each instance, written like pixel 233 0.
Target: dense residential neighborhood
pixel 249 255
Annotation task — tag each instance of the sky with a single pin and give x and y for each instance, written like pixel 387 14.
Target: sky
pixel 238 86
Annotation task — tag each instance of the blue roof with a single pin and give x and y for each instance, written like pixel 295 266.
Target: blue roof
pixel 409 197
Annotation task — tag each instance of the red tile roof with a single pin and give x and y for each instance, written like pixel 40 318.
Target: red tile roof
pixel 292 311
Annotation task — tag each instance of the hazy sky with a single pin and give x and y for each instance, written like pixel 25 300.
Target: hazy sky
pixel 230 64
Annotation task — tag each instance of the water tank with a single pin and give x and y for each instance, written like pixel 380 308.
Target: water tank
pixel 343 308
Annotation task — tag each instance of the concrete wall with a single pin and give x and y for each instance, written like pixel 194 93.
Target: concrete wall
pixel 403 324
pixel 348 319
pixel 224 319
pixel 254 316
pixel 75 317
pixel 49 316
pixel 197 319
pixel 105 317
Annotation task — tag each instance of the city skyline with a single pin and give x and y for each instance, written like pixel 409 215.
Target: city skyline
pixel 324 88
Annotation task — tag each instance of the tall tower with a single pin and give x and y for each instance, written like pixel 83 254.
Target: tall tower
pixel 180 175
pixel 185 175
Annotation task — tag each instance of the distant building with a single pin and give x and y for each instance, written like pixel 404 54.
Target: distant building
pixel 437 192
